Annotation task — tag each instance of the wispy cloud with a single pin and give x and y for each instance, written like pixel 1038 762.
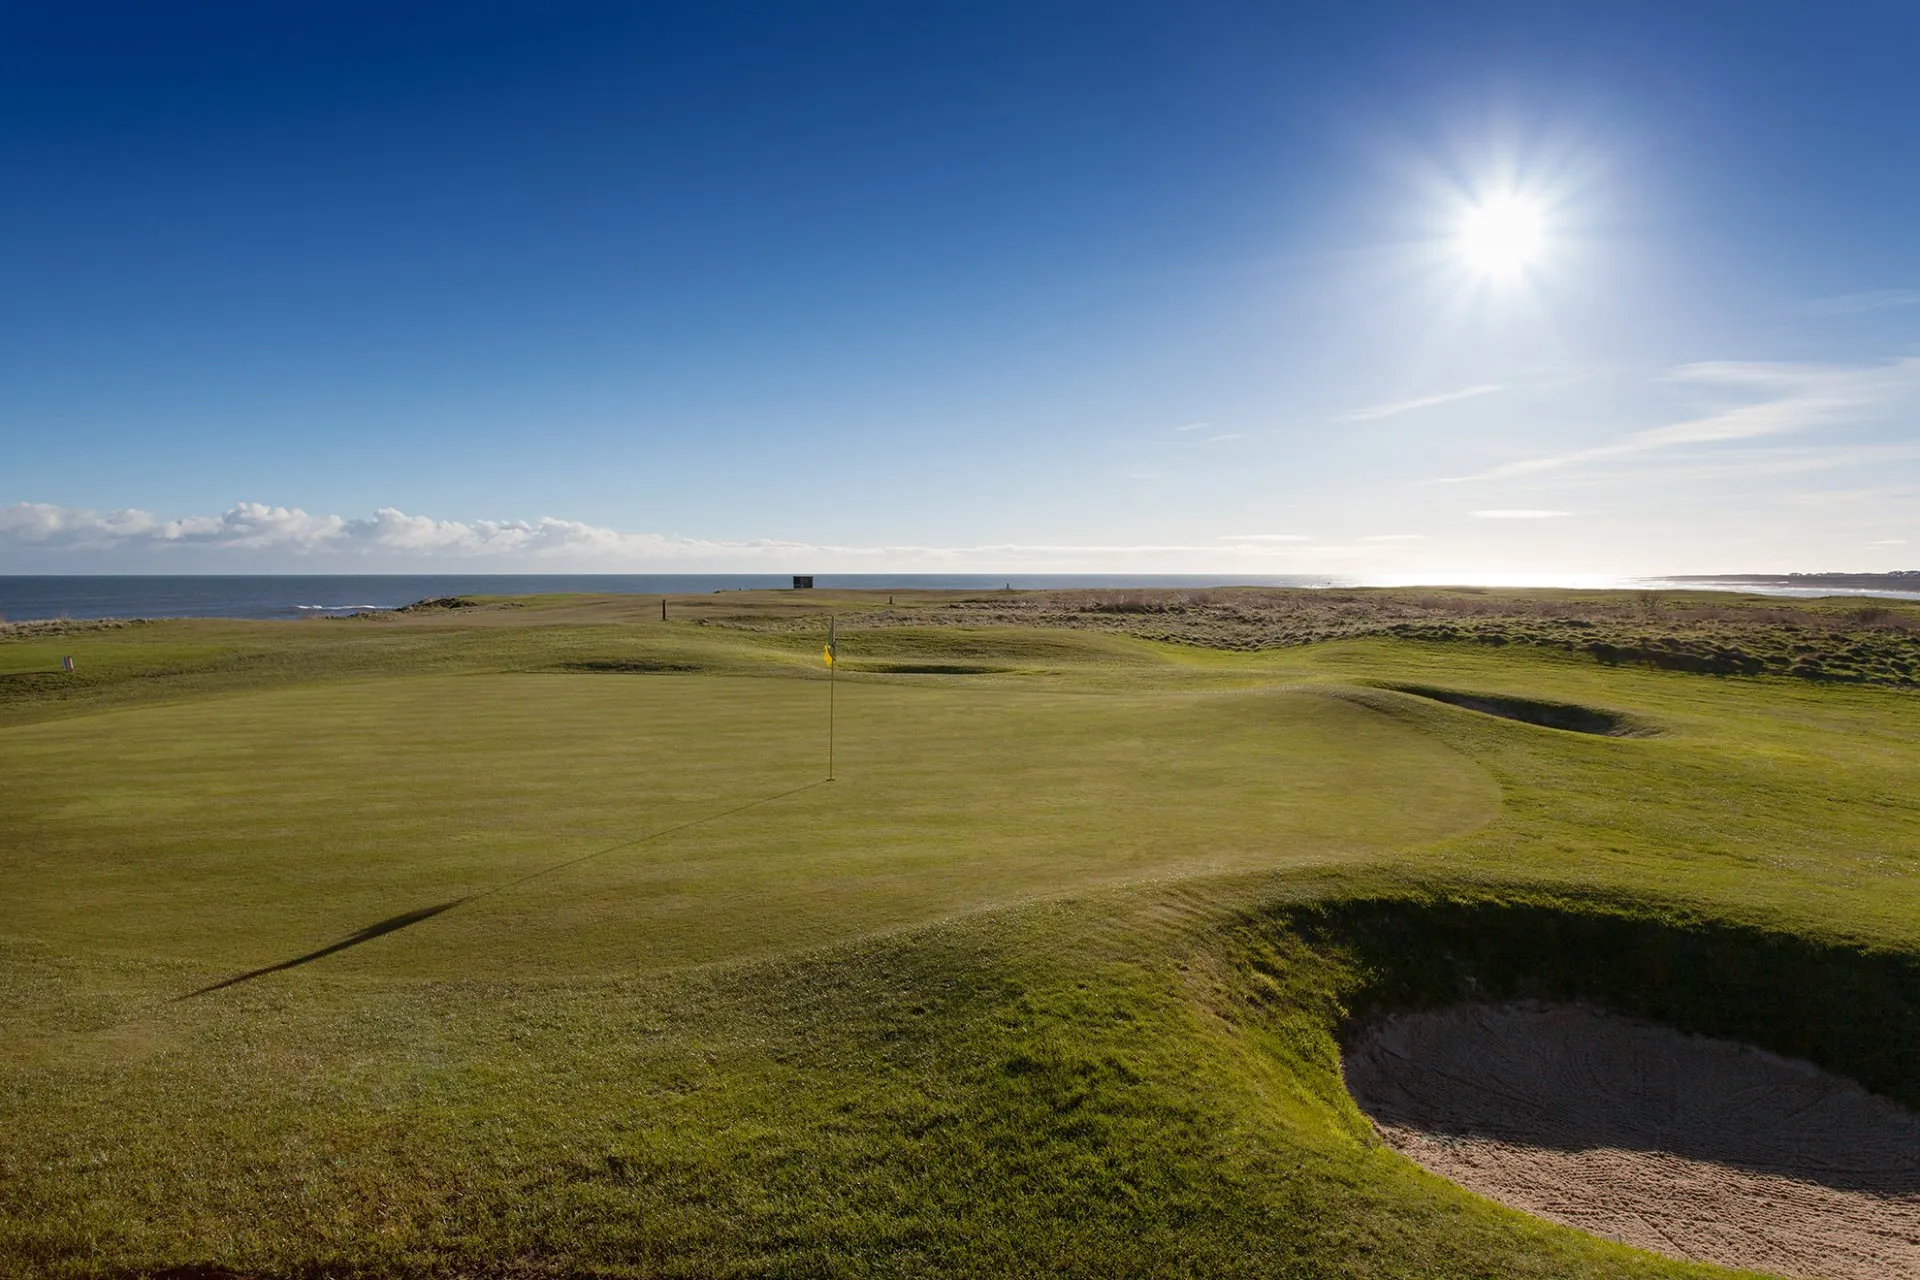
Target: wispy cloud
pixel 1875 300
pixel 1889 542
pixel 1423 402
pixel 1194 426
pixel 1230 435
pixel 1855 498
pixel 1266 537
pixel 1798 398
pixel 1518 513
pixel 1395 537
pixel 1798 460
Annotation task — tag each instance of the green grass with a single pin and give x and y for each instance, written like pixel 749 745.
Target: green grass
pixel 1709 632
pixel 234 831
pixel 1049 981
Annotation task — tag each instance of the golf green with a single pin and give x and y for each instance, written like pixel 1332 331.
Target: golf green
pixel 621 823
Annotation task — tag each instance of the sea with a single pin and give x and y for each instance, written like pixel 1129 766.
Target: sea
pixel 293 596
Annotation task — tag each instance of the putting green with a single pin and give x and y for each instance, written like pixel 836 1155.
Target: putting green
pixel 236 833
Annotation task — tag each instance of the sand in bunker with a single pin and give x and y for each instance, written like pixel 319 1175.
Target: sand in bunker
pixel 1699 1149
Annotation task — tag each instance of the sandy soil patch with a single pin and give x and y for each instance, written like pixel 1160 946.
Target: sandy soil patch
pixel 1699 1149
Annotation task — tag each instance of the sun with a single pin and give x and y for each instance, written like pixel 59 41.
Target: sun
pixel 1502 235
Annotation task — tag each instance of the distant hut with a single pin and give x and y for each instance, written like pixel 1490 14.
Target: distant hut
pixel 803 582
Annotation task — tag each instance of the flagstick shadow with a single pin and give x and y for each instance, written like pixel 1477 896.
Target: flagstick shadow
pixel 390 925
pixel 394 924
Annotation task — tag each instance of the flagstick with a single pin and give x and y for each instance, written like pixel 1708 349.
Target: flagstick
pixel 833 672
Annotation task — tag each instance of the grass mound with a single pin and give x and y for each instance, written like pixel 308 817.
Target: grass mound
pixel 1568 716
pixel 1700 632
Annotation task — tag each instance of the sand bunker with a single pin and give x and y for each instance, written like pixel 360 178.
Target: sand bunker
pixel 1699 1149
pixel 1566 716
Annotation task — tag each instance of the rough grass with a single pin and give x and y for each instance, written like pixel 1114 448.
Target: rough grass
pixel 1050 982
pixel 1708 632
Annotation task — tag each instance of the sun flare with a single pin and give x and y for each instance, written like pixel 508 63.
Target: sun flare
pixel 1502 235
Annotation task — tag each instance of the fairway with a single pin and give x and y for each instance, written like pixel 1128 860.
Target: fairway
pixel 533 942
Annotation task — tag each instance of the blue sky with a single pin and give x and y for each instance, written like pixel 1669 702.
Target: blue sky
pixel 1034 287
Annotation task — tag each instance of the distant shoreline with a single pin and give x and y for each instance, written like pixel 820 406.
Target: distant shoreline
pixel 1899 580
pixel 261 597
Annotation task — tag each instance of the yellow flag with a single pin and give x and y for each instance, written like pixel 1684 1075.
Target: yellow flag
pixel 827 653
pixel 832 644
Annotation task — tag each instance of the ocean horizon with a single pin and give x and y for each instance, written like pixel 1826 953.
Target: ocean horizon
pixel 37 597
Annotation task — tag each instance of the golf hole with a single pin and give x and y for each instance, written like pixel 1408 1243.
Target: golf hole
pixel 1701 1149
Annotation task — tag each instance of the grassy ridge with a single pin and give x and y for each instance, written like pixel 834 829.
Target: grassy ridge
pixel 1708 632
pixel 1051 982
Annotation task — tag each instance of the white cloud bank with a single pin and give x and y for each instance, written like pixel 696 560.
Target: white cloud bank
pixel 43 537
pixel 255 526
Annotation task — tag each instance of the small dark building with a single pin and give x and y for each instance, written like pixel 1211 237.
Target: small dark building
pixel 803 582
